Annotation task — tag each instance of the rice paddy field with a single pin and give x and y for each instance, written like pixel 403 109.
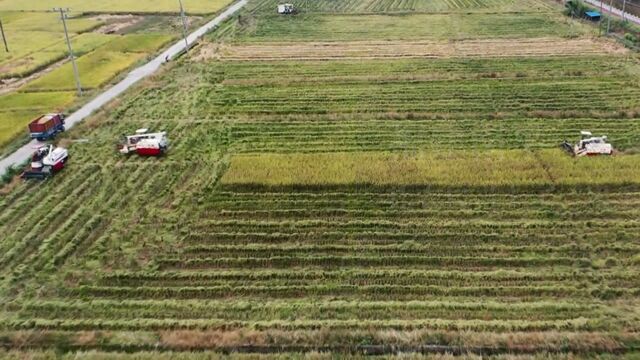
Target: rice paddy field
pixel 36 39
pixel 37 65
pixel 388 190
pixel 200 7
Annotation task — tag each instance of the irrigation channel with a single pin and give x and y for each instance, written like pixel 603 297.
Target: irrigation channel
pixel 24 152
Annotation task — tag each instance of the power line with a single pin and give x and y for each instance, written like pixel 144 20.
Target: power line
pixel 63 17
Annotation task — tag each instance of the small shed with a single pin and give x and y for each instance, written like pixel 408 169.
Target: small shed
pixel 592 15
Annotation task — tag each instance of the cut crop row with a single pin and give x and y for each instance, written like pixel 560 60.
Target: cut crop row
pixel 594 237
pixel 432 214
pixel 288 310
pixel 135 324
pixel 416 134
pixel 288 72
pixel 370 292
pixel 363 277
pixel 328 261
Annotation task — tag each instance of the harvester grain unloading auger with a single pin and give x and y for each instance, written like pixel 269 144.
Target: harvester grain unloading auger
pixel 145 143
pixel 589 145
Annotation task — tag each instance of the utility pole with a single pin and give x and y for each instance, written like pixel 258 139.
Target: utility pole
pixel 4 37
pixel 63 17
pixel 601 15
pixel 624 7
pixel 609 18
pixel 184 27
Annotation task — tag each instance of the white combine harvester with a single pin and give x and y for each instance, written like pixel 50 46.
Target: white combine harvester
pixel 589 145
pixel 286 9
pixel 145 143
pixel 45 162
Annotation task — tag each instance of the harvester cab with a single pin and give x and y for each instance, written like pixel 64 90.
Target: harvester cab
pixel 589 145
pixel 46 162
pixel 145 143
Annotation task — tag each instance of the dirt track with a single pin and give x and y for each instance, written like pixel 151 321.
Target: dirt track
pixel 412 49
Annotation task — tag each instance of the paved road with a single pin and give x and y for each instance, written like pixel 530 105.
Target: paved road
pixel 133 77
pixel 611 9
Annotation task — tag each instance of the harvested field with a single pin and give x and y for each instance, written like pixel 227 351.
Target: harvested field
pixel 411 49
pixel 451 88
pixel 318 27
pixel 372 199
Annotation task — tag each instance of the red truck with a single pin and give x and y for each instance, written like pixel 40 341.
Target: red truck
pixel 46 126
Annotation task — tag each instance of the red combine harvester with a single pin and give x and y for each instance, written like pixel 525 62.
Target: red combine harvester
pixel 45 162
pixel 144 143
pixel 46 126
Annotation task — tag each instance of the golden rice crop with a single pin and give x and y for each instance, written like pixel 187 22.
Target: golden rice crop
pixel 453 168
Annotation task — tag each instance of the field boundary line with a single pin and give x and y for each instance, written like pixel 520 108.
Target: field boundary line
pixel 23 153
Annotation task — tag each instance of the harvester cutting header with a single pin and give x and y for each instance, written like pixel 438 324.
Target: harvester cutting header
pixel 145 143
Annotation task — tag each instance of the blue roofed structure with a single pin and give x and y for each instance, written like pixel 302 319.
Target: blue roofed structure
pixel 592 15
